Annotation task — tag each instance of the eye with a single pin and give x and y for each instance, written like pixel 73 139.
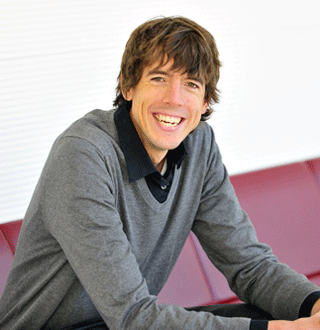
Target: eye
pixel 158 79
pixel 193 85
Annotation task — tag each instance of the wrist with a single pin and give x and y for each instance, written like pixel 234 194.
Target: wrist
pixel 315 308
pixel 282 325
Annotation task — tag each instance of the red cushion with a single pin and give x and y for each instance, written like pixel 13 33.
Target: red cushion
pixel 314 166
pixel 11 231
pixel 218 283
pixel 284 206
pixel 6 257
pixel 315 278
pixel 187 285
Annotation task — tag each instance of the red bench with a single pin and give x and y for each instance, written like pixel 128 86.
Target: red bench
pixel 9 233
pixel 284 205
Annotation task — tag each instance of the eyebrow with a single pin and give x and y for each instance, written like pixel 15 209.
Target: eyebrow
pixel 155 71
pixel 166 73
pixel 199 80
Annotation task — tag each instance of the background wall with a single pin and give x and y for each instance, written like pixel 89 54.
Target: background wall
pixel 60 59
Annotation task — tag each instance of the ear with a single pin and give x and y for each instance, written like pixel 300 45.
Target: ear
pixel 205 107
pixel 126 94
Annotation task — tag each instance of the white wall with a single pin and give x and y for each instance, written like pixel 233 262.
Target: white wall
pixel 60 59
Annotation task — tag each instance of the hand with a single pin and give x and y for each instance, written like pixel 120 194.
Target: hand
pixel 307 323
pixel 316 308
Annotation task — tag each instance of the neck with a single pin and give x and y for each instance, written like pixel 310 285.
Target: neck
pixel 157 156
pixel 159 166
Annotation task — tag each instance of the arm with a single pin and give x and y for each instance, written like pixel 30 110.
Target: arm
pixel 82 215
pixel 315 308
pixel 308 323
pixel 251 269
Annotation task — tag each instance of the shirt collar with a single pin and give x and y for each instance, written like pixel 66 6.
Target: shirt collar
pixel 138 161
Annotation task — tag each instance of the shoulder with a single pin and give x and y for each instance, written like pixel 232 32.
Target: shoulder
pixel 202 139
pixel 96 128
pixel 89 143
pixel 93 136
pixel 203 152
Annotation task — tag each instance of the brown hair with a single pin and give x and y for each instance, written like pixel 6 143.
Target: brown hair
pixel 192 48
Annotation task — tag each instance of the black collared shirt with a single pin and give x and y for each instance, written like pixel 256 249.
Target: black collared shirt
pixel 138 161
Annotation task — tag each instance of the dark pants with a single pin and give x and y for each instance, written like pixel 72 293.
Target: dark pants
pixel 227 310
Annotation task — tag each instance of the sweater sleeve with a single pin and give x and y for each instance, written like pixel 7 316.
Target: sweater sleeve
pixel 81 214
pixel 259 325
pixel 306 307
pixel 305 311
pixel 229 239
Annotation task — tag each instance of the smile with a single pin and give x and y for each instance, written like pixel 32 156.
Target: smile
pixel 168 121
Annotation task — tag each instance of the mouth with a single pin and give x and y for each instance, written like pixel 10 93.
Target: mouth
pixel 168 121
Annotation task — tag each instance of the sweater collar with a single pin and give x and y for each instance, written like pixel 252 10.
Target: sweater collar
pixel 138 161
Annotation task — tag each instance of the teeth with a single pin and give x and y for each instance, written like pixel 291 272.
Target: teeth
pixel 168 120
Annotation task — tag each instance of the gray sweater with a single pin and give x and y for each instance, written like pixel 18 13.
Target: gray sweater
pixel 94 246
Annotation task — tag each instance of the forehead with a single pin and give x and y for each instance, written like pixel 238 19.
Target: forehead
pixel 168 66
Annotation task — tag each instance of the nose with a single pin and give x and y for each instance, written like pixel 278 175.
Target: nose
pixel 173 94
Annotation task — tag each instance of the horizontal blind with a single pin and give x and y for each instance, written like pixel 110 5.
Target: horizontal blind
pixel 60 59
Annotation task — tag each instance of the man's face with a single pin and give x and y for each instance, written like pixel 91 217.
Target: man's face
pixel 166 106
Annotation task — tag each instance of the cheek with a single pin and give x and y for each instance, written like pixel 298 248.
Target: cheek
pixel 195 122
pixel 197 116
pixel 202 108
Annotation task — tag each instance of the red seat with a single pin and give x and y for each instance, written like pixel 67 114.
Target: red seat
pixel 315 278
pixel 6 257
pixel 11 231
pixel 187 285
pixel 314 166
pixel 218 283
pixel 284 205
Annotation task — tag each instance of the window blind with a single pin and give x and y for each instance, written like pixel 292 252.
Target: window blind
pixel 60 59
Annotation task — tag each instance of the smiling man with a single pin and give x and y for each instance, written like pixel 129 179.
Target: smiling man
pixel 119 194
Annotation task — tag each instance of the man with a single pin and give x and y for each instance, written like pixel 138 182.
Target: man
pixel 121 191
